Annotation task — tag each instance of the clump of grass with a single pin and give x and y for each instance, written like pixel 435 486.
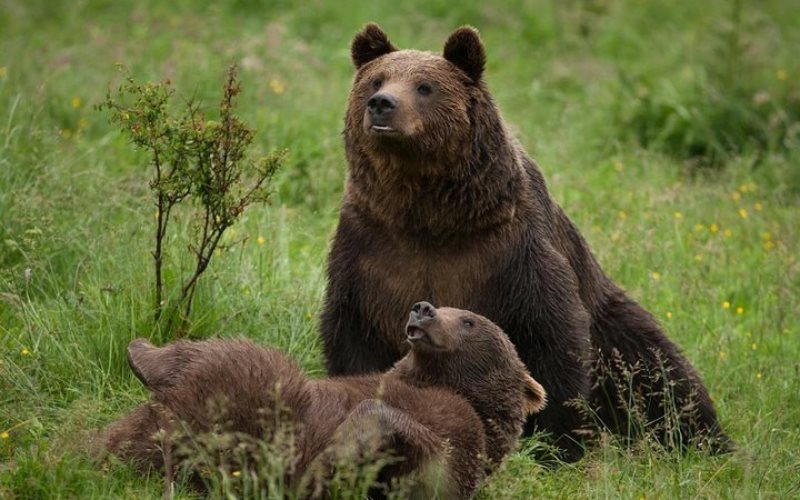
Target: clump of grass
pixel 644 395
pixel 228 463
pixel 703 112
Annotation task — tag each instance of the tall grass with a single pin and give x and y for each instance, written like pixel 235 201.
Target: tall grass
pixel 595 91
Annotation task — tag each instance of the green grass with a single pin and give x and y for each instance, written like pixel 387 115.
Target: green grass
pixel 76 218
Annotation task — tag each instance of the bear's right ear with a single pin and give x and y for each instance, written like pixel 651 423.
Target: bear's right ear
pixel 465 49
pixel 370 43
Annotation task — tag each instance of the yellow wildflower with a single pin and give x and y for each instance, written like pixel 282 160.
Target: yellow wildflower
pixel 25 351
pixel 714 228
pixel 75 102
pixel 740 310
pixel 678 216
pixel 754 346
pixel 758 375
pixel 766 235
pixel 758 206
pixel 655 275
pixel 743 188
pixel 698 227
pixel 735 196
pixel 698 257
pixel 726 305
pixel 83 123
pixel 723 354
pixel 260 240
pixel 5 435
pixel 727 233
pixel 742 213
pixel 669 314
pixel 769 245
pixel 236 473
pixel 781 74
pixel 277 86
pixel 615 236
pixel 622 215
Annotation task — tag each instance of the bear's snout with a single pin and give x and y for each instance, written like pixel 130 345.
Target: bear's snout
pixel 423 311
pixel 381 106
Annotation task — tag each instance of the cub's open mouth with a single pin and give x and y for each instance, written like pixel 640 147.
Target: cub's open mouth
pixel 416 334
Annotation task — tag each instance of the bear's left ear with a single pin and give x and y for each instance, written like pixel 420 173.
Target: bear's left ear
pixel 535 396
pixel 465 49
pixel 156 367
pixel 370 43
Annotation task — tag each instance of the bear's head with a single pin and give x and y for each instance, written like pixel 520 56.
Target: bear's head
pixel 413 103
pixel 470 355
pixel 468 352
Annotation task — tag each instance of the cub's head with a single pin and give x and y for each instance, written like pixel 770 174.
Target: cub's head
pixel 411 101
pixel 473 356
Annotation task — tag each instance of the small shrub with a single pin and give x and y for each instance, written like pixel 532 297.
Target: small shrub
pixel 196 160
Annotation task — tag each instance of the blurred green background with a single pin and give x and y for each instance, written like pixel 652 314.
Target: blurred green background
pixel 668 131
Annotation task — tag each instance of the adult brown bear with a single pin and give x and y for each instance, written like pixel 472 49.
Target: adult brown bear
pixel 442 203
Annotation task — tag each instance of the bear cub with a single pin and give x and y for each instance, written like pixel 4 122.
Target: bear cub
pixel 447 413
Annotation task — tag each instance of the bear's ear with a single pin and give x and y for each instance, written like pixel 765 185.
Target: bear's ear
pixel 154 367
pixel 370 43
pixel 535 396
pixel 465 49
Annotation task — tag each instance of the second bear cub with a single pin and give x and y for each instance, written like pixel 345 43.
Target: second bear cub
pixel 455 405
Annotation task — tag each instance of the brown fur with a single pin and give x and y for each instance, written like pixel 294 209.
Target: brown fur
pixel 431 410
pixel 442 203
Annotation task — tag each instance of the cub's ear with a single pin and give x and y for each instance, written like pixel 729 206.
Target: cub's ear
pixel 370 43
pixel 465 49
pixel 535 396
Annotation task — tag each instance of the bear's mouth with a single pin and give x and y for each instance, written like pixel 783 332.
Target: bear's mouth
pixel 383 129
pixel 415 334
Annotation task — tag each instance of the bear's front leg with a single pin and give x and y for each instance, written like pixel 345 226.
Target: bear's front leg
pixel 560 366
pixel 350 345
pixel 540 308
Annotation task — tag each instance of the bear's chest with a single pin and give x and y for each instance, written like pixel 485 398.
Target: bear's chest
pixel 395 276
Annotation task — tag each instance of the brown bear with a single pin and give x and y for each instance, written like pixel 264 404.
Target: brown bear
pixel 457 402
pixel 441 202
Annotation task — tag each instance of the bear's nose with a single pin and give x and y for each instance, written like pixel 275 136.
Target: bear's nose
pixel 424 310
pixel 381 104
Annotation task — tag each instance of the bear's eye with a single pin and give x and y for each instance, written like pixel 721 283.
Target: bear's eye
pixel 468 322
pixel 424 89
pixel 376 83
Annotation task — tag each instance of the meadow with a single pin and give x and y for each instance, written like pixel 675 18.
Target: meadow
pixel 668 132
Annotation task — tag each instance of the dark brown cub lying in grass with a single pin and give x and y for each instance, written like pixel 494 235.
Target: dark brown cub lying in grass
pixel 450 410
